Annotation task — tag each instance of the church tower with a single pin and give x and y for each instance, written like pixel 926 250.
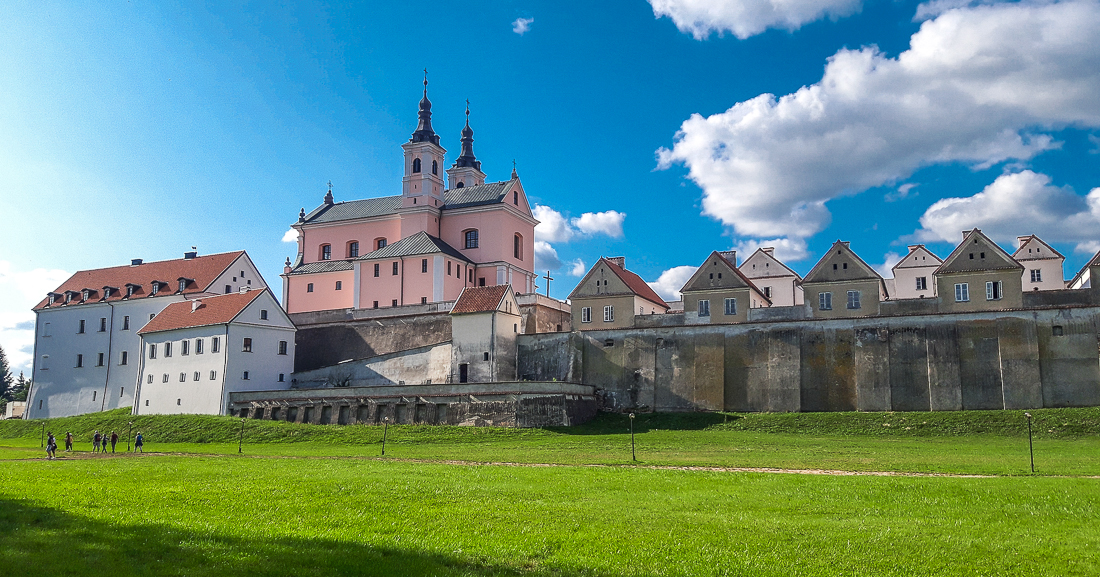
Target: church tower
pixel 467 168
pixel 423 181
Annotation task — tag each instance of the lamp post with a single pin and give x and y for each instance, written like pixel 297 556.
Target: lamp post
pixel 43 440
pixel 129 433
pixel 385 430
pixel 633 455
pixel 240 439
pixel 1030 446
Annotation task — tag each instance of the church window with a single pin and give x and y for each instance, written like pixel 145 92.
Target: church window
pixel 423 265
pixel 471 238
pixel 395 268
pixel 448 268
pixel 435 167
pixel 339 285
pixel 379 243
pixel 376 266
pixel 517 247
pixel 326 252
pixel 515 198
pixel 416 165
pixel 394 303
pixel 353 249
pixel 309 288
pixel 460 184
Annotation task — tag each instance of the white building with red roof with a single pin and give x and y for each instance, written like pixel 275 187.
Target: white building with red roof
pixel 87 349
pixel 198 351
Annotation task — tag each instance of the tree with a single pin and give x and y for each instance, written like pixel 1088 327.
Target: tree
pixel 5 375
pixel 21 388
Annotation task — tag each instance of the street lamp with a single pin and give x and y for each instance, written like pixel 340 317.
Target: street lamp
pixel 633 456
pixel 129 433
pixel 385 430
pixel 240 439
pixel 1030 446
pixel 43 440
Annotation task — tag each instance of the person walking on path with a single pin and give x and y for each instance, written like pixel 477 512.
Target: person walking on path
pixel 139 442
pixel 68 442
pixel 114 440
pixel 51 446
pixel 95 442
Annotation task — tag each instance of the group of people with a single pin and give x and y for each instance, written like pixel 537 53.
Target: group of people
pixel 99 443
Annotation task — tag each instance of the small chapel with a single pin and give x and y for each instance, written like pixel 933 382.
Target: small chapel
pixel 439 236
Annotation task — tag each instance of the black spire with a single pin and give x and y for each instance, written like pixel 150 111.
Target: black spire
pixel 424 132
pixel 328 196
pixel 467 159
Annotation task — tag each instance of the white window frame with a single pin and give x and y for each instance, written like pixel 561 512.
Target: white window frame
pixel 994 290
pixel 825 301
pixel 730 306
pixel 1036 275
pixel 962 292
pixel 609 314
pixel 586 314
pixel 922 283
pixel 853 300
pixel 704 308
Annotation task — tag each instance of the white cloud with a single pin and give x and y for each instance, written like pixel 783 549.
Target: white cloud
pixel 901 193
pixel 19 291
pixel 1095 140
pixel 786 249
pixel 745 18
pixel 546 258
pixel 608 222
pixel 290 236
pixel 886 268
pixel 577 268
pixel 976 86
pixel 670 282
pixel 552 226
pixel 522 25
pixel 1014 205
pixel 1088 247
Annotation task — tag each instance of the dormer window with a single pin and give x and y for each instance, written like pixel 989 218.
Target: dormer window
pixel 183 284
pixel 50 298
pixel 416 165
pixel 106 292
pixel 130 290
pixel 84 294
pixel 155 289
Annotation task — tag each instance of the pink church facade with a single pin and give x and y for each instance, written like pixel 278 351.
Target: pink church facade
pixel 423 246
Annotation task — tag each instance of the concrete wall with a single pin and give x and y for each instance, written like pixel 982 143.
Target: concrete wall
pixel 981 360
pixel 427 364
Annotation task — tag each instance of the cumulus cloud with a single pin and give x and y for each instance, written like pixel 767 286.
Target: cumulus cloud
pixel 19 291
pixel 1014 205
pixel 978 85
pixel 577 268
pixel 522 25
pixel 901 193
pixel 786 249
pixel 1088 247
pixel 745 18
pixel 609 222
pixel 552 226
pixel 290 236
pixel 670 282
pixel 546 258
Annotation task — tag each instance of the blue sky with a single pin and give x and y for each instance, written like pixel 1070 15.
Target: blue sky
pixel 140 129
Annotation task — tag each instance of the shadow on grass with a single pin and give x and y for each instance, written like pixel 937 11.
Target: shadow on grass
pixel 615 423
pixel 42 542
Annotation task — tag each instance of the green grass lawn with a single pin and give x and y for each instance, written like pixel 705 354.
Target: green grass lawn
pixel 319 500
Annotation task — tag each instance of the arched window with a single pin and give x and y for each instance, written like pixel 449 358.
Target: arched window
pixel 353 249
pixel 379 243
pixel 416 165
pixel 517 247
pixel 471 238
pixel 460 184
pixel 435 167
pixel 326 252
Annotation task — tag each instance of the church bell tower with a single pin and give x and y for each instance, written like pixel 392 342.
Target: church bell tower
pixel 422 184
pixel 467 168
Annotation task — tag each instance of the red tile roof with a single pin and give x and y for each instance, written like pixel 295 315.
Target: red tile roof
pixel 215 310
pixel 636 284
pixel 201 272
pixel 479 299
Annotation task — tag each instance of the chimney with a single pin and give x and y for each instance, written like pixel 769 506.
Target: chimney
pixel 768 250
pixel 1021 240
pixel 135 261
pixel 195 305
pixel 190 255
pixel 619 261
pixel 730 255
pixel 914 247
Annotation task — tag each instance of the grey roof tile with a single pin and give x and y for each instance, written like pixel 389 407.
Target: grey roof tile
pixel 419 243
pixel 353 209
pixel 488 193
pixel 323 266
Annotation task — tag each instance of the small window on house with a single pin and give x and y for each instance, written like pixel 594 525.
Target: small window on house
pixel 922 283
pixel 150 381
pixel 228 289
pixel 339 285
pixel 102 325
pixel 129 291
pixel 353 249
pixel 480 281
pixel 198 346
pixel 179 402
pixel 80 329
pixel 834 266
pixel 1057 331
pixel 962 292
pixel 609 314
pixel 768 291
pixel 263 313
pixel 376 269
pixel 983 255
pixel 423 265
pixel 196 376
pixel 586 315
pixel 704 308
pixel 84 295
pixel 164 378
pixel 152 350
pixel 853 300
pixel 825 301
pixel 151 315
pixel 486 357
pixel 282 347
pixel 99 360
pixel 375 304
pixel 183 377
pixel 993 290
pixel 215 344
pixel 79 361
pixel 247 347
pixel 185 347
pixel 213 375
pixel 282 377
pixel 309 288
pixel 168 349
pixel 1036 275
pixel 394 303
pixel 395 268
pixel 326 252
pixel 515 328
pixel 609 343
pixel 423 300
pixel 471 238
pixel 245 377
pixel 126 323
pixel 731 306
pixel 123 357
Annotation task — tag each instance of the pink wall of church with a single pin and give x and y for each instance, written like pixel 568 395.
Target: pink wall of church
pixel 496 228
pixel 324 295
pixel 340 235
